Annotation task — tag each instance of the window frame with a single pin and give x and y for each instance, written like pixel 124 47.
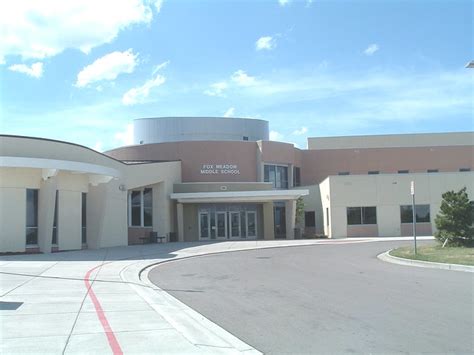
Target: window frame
pixel 409 208
pixel 313 218
pixel 142 207
pixel 35 216
pixel 273 173
pixel 361 212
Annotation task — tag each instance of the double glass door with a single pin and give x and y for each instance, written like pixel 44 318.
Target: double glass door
pixel 222 225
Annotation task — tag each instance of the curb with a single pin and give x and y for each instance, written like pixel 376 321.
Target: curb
pixel 426 264
pixel 197 329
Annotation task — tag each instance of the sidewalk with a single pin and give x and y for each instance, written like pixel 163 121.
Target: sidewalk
pixel 94 301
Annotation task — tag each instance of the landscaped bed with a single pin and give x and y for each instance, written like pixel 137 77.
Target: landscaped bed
pixel 435 253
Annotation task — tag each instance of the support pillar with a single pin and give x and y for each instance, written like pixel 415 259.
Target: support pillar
pixel 290 213
pixel 46 202
pixel 180 220
pixel 268 221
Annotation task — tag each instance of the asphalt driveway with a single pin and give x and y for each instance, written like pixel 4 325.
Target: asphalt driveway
pixel 327 299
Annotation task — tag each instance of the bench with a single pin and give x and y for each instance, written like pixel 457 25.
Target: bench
pixel 152 238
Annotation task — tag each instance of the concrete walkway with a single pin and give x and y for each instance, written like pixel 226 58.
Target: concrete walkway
pixel 94 301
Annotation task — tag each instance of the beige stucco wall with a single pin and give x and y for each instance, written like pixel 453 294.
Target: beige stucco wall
pixel 107 223
pixel 388 193
pixel 392 140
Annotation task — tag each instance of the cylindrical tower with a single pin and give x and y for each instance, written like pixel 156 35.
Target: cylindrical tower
pixel 175 129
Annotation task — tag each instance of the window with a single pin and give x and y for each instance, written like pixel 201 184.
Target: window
pixel 472 211
pixel 403 171
pixel 374 172
pixel 361 215
pixel 422 213
pixel 296 176
pixel 276 174
pixel 84 218
pixel 327 216
pixel 310 219
pixel 55 221
pixel 31 216
pixel 141 208
pixel 245 138
pixel 343 173
pixel 464 170
pixel 432 170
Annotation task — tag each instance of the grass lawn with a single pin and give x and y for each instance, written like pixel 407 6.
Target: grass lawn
pixel 450 255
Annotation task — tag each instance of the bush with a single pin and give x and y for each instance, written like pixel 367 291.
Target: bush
pixel 455 218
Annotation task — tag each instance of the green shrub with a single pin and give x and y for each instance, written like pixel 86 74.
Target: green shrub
pixel 455 218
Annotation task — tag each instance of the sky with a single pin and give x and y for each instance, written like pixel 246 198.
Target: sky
pixel 82 70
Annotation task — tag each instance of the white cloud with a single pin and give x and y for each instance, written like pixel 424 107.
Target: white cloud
pixel 275 136
pixel 35 70
pixel 371 49
pixel 139 94
pixel 108 67
pixel 266 42
pixel 241 78
pixel 301 131
pixel 125 137
pixel 283 2
pixel 309 3
pixel 158 5
pixel 40 29
pixel 230 112
pixel 217 89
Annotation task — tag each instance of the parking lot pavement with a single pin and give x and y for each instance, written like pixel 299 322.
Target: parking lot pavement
pixel 327 299
pixel 93 301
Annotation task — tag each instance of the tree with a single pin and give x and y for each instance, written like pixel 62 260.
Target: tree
pixel 299 210
pixel 455 218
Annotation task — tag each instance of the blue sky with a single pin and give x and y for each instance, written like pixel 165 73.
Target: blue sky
pixel 81 71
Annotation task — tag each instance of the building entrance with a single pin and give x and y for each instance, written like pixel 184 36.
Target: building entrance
pixel 227 223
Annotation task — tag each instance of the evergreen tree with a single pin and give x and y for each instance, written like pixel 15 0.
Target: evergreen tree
pixel 455 218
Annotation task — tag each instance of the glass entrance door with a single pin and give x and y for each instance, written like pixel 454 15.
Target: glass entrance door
pixel 221 219
pixel 280 222
pixel 251 224
pixel 234 224
pixel 204 225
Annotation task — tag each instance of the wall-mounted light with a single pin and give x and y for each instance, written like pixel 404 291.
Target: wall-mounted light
pixel 122 187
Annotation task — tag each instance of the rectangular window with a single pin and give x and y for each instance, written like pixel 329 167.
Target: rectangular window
pixel 309 219
pixel 432 170
pixel 136 208
pixel 148 207
pixel 422 214
pixel 361 215
pixel 141 208
pixel 369 215
pixel 54 240
pixel 403 171
pixel 327 217
pixel 343 173
pixel 374 172
pixel 31 216
pixel 296 176
pixel 276 174
pixel 245 138
pixel 354 216
pixel 84 218
pixel 464 170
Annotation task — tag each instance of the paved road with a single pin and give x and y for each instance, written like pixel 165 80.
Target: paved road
pixel 327 299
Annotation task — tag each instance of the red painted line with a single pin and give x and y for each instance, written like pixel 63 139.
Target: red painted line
pixel 113 342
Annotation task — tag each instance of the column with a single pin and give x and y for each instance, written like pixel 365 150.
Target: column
pixel 46 202
pixel 268 221
pixel 290 213
pixel 180 220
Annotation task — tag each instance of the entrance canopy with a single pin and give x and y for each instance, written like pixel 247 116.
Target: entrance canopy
pixel 238 196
